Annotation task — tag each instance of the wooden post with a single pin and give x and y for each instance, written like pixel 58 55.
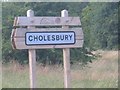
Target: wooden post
pixel 32 57
pixel 66 57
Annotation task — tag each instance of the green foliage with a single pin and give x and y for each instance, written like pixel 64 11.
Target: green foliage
pixel 99 23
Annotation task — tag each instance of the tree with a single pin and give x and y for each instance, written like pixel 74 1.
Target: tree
pixel 9 11
pixel 100 22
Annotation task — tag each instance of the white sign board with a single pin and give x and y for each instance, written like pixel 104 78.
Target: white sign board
pixel 50 38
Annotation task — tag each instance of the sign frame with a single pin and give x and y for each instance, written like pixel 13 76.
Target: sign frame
pixel 19 33
pixel 18 38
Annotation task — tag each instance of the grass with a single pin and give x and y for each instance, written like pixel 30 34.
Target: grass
pixel 102 73
pixel 0 80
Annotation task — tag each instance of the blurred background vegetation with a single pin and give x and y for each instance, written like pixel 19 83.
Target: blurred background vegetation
pixel 99 24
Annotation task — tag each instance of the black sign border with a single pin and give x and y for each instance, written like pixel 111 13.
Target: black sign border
pixel 52 32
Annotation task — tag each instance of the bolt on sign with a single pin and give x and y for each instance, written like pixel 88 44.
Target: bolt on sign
pixel 37 38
